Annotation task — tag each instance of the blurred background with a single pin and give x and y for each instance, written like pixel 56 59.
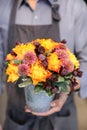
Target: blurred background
pixel 81 105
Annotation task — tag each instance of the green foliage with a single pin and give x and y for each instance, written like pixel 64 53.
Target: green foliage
pixel 39 87
pixel 26 82
pixel 47 53
pixel 17 61
pixel 62 83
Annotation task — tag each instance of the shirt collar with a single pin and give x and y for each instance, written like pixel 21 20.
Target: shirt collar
pixel 22 2
pixel 52 2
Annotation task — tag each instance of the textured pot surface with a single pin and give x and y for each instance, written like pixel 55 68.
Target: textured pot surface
pixel 38 102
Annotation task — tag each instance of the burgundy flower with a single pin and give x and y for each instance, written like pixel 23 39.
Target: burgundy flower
pixel 13 53
pixel 63 41
pixel 61 47
pixel 18 43
pixel 37 44
pixel 41 57
pixel 41 49
pixel 67 68
pixel 55 90
pixel 62 54
pixel 23 69
pixel 45 63
pixel 54 77
pixel 29 58
pixel 77 72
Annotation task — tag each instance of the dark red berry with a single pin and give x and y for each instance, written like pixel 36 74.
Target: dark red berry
pixel 41 57
pixel 63 41
pixel 13 53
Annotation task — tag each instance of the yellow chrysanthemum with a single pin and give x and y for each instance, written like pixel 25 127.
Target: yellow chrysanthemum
pixel 9 57
pixel 48 44
pixel 30 47
pixel 12 78
pixel 21 49
pixel 38 73
pixel 12 72
pixel 54 63
pixel 73 59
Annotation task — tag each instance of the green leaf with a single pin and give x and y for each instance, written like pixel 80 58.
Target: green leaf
pixel 59 83
pixel 63 87
pixel 62 84
pixel 6 63
pixel 17 61
pixel 69 76
pixel 49 93
pixel 26 82
pixel 67 81
pixel 56 84
pixel 40 83
pixel 60 79
pixel 38 88
pixel 65 90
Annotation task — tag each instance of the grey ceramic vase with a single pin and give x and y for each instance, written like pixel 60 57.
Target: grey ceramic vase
pixel 38 102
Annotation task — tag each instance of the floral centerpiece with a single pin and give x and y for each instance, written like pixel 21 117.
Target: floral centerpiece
pixel 46 65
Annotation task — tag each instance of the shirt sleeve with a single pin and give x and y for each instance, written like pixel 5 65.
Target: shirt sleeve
pixel 5 8
pixel 81 43
pixel 1 63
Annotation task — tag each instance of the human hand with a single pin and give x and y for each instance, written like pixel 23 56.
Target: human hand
pixel 56 106
pixel 58 103
pixel 75 86
pixel 0 127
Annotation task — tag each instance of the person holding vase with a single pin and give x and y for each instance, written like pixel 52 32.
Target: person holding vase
pixel 28 20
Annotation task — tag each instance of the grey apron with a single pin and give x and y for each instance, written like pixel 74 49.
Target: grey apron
pixel 16 118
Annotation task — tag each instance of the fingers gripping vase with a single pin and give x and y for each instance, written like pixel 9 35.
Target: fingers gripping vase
pixel 38 102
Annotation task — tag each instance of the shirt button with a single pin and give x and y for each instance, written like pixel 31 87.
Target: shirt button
pixel 36 17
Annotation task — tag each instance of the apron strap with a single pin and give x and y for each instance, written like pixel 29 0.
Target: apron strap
pixel 13 13
pixel 12 21
pixel 55 12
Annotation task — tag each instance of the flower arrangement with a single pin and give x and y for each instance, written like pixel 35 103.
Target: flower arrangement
pixel 48 65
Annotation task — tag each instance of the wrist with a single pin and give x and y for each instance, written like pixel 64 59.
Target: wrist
pixel 63 96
